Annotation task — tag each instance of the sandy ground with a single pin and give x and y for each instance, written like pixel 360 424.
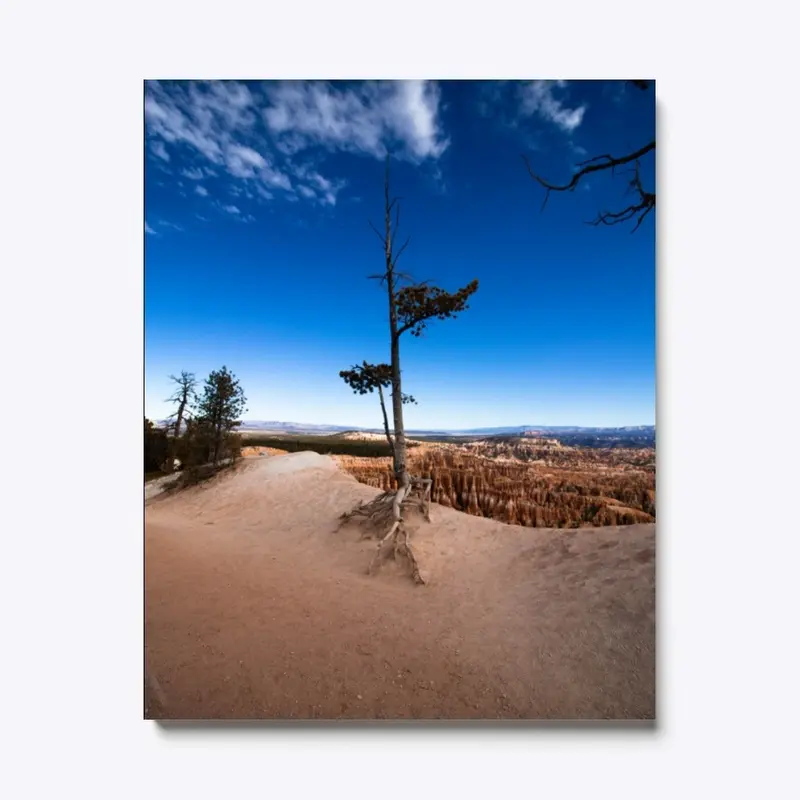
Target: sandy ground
pixel 257 609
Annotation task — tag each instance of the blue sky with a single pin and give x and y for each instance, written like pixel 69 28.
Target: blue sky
pixel 257 247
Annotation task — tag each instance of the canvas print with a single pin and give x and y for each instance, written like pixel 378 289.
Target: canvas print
pixel 399 400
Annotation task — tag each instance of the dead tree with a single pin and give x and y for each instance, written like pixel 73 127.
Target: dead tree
pixel 184 395
pixel 364 378
pixel 643 201
pixel 411 306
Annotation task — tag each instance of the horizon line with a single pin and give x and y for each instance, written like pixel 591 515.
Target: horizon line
pixel 245 422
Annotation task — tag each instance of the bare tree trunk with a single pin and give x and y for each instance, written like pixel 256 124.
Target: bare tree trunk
pixel 169 465
pixel 179 418
pixel 386 422
pixel 389 505
pixel 216 432
pixel 400 471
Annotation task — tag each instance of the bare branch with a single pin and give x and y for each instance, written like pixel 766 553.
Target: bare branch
pixel 400 251
pixel 608 162
pixel 647 200
pixel 647 211
pixel 377 233
pixel 595 158
pixel 403 276
pixel 645 204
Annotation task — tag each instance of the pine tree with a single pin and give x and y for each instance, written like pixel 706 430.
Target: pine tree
pixel 364 378
pixel 411 307
pixel 219 409
pixel 155 447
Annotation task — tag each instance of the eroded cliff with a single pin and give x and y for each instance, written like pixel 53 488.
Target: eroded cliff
pixel 552 487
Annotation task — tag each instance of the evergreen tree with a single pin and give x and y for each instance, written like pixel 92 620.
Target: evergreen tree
pixel 365 378
pixel 218 411
pixel 411 305
pixel 155 446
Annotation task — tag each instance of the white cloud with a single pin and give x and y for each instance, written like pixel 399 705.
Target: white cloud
pixel 235 212
pixel 438 180
pixel 318 187
pixel 260 137
pixel 214 119
pixel 201 190
pixel 244 162
pixel 539 98
pixel 264 193
pixel 159 150
pixel 367 118
pixel 148 229
pixel 500 102
pixel 165 224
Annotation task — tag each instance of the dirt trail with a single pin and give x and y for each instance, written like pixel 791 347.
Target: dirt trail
pixel 256 608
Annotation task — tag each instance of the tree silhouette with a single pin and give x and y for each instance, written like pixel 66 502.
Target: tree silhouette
pixel 644 201
pixel 184 396
pixel 364 378
pixel 411 307
pixel 155 447
pixel 219 410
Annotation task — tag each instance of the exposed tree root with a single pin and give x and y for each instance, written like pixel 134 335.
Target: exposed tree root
pixel 386 509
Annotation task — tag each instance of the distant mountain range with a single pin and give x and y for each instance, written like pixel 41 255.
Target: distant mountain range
pixel 513 430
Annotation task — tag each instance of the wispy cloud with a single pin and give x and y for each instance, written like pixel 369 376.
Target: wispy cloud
pixel 148 229
pixel 205 115
pixel 201 190
pixel 317 187
pixel 166 224
pixel 540 98
pixel 234 212
pixel 438 180
pixel 265 137
pixel 512 104
pixel 194 174
pixel 159 150
pixel 367 118
pixel 215 119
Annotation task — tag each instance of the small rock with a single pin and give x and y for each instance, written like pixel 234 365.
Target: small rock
pixel 359 697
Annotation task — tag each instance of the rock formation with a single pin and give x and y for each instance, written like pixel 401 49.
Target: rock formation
pixel 588 487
